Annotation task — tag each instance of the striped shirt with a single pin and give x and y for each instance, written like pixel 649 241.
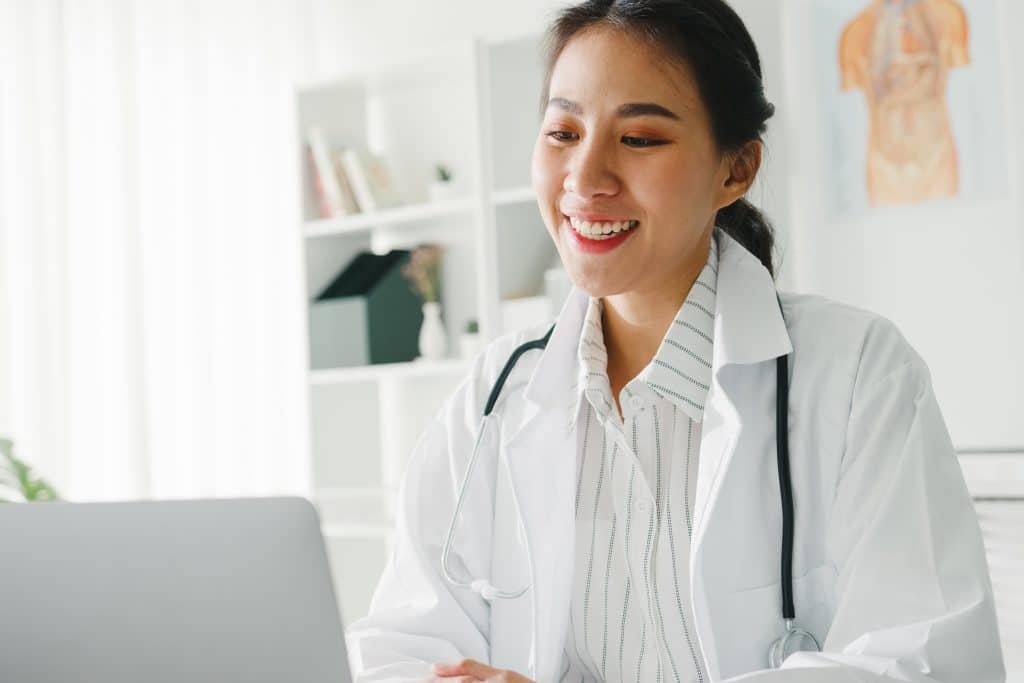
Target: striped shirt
pixel 631 617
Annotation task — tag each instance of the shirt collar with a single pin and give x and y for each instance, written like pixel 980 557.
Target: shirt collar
pixel 593 362
pixel 680 371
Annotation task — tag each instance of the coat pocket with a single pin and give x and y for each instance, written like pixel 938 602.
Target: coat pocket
pixel 749 621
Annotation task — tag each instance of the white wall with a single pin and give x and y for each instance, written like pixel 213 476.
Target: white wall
pixel 352 33
pixel 772 190
pixel 6 418
pixel 949 274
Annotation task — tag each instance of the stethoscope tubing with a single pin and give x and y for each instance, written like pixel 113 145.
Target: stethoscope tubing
pixel 485 588
pixel 785 482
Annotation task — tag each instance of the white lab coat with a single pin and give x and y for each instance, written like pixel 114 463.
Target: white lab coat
pixel 889 570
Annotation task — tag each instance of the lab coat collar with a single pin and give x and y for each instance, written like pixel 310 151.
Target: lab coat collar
pixel 749 327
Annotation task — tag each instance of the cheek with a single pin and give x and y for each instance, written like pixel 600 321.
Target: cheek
pixel 547 183
pixel 543 170
pixel 680 186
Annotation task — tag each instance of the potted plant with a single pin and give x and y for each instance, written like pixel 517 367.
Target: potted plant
pixel 442 186
pixel 18 483
pixel 424 273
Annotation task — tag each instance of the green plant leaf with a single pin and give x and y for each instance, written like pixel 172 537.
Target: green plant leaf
pixel 21 473
pixel 19 477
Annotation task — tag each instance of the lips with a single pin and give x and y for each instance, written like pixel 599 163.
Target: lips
pixel 597 244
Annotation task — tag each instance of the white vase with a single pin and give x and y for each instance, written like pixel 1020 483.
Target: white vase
pixel 433 338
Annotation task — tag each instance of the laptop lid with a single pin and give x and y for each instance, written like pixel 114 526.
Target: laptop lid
pixel 206 591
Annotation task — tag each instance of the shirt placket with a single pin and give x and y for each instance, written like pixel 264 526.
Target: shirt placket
pixel 674 549
pixel 640 504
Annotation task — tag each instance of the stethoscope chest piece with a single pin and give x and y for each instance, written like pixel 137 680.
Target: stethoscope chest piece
pixel 795 639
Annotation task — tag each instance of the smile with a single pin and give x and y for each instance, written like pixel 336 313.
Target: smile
pixel 599 237
pixel 599 231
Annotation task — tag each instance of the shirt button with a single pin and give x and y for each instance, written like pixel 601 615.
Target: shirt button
pixel 637 403
pixel 642 506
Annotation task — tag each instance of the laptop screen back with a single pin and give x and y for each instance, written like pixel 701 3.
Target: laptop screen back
pixel 205 591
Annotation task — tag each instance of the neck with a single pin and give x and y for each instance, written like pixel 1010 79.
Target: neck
pixel 635 322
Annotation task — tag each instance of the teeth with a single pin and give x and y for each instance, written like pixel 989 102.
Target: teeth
pixel 601 230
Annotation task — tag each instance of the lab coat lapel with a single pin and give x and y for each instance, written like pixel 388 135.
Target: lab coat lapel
pixel 541 454
pixel 749 330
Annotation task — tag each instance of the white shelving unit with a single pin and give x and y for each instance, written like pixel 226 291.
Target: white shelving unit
pixel 404 217
pixel 475 107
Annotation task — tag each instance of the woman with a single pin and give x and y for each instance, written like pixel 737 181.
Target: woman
pixel 631 482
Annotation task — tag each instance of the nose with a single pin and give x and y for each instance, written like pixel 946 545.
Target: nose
pixel 591 171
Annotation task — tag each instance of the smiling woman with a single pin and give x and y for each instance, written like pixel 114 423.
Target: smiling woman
pixel 633 512
pixel 665 137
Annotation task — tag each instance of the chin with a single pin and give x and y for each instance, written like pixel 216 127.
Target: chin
pixel 596 287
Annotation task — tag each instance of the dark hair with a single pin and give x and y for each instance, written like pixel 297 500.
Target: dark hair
pixel 710 37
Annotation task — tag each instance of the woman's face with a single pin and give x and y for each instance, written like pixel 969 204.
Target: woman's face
pixel 654 162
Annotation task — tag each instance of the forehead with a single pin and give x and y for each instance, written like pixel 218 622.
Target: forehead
pixel 603 67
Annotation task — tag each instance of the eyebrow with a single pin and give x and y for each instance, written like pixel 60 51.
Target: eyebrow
pixel 629 110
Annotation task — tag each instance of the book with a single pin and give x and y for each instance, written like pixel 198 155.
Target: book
pixel 318 185
pixel 350 203
pixel 333 200
pixel 356 174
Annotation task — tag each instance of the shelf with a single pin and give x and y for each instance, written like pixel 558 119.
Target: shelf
pixel 472 109
pixel 364 373
pixel 517 195
pixel 407 215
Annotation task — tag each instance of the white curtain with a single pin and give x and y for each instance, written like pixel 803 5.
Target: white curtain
pixel 153 307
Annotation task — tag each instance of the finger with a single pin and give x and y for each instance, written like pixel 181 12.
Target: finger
pixel 466 667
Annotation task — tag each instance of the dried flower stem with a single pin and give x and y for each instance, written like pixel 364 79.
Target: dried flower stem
pixel 424 272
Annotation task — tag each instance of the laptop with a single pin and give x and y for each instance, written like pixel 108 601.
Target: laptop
pixel 206 591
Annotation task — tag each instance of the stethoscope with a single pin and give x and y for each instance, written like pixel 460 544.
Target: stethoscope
pixel 779 649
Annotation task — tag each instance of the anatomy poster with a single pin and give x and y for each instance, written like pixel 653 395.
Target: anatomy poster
pixel 913 101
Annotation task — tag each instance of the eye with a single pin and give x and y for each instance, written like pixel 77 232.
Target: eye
pixel 632 141
pixel 555 133
pixel 642 142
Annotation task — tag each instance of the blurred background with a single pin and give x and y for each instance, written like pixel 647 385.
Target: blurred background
pixel 248 248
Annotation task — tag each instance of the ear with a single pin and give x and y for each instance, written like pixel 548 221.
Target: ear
pixel 739 169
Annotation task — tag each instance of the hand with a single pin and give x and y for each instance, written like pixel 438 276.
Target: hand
pixel 469 670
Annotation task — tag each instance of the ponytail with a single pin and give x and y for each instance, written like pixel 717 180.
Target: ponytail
pixel 742 221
